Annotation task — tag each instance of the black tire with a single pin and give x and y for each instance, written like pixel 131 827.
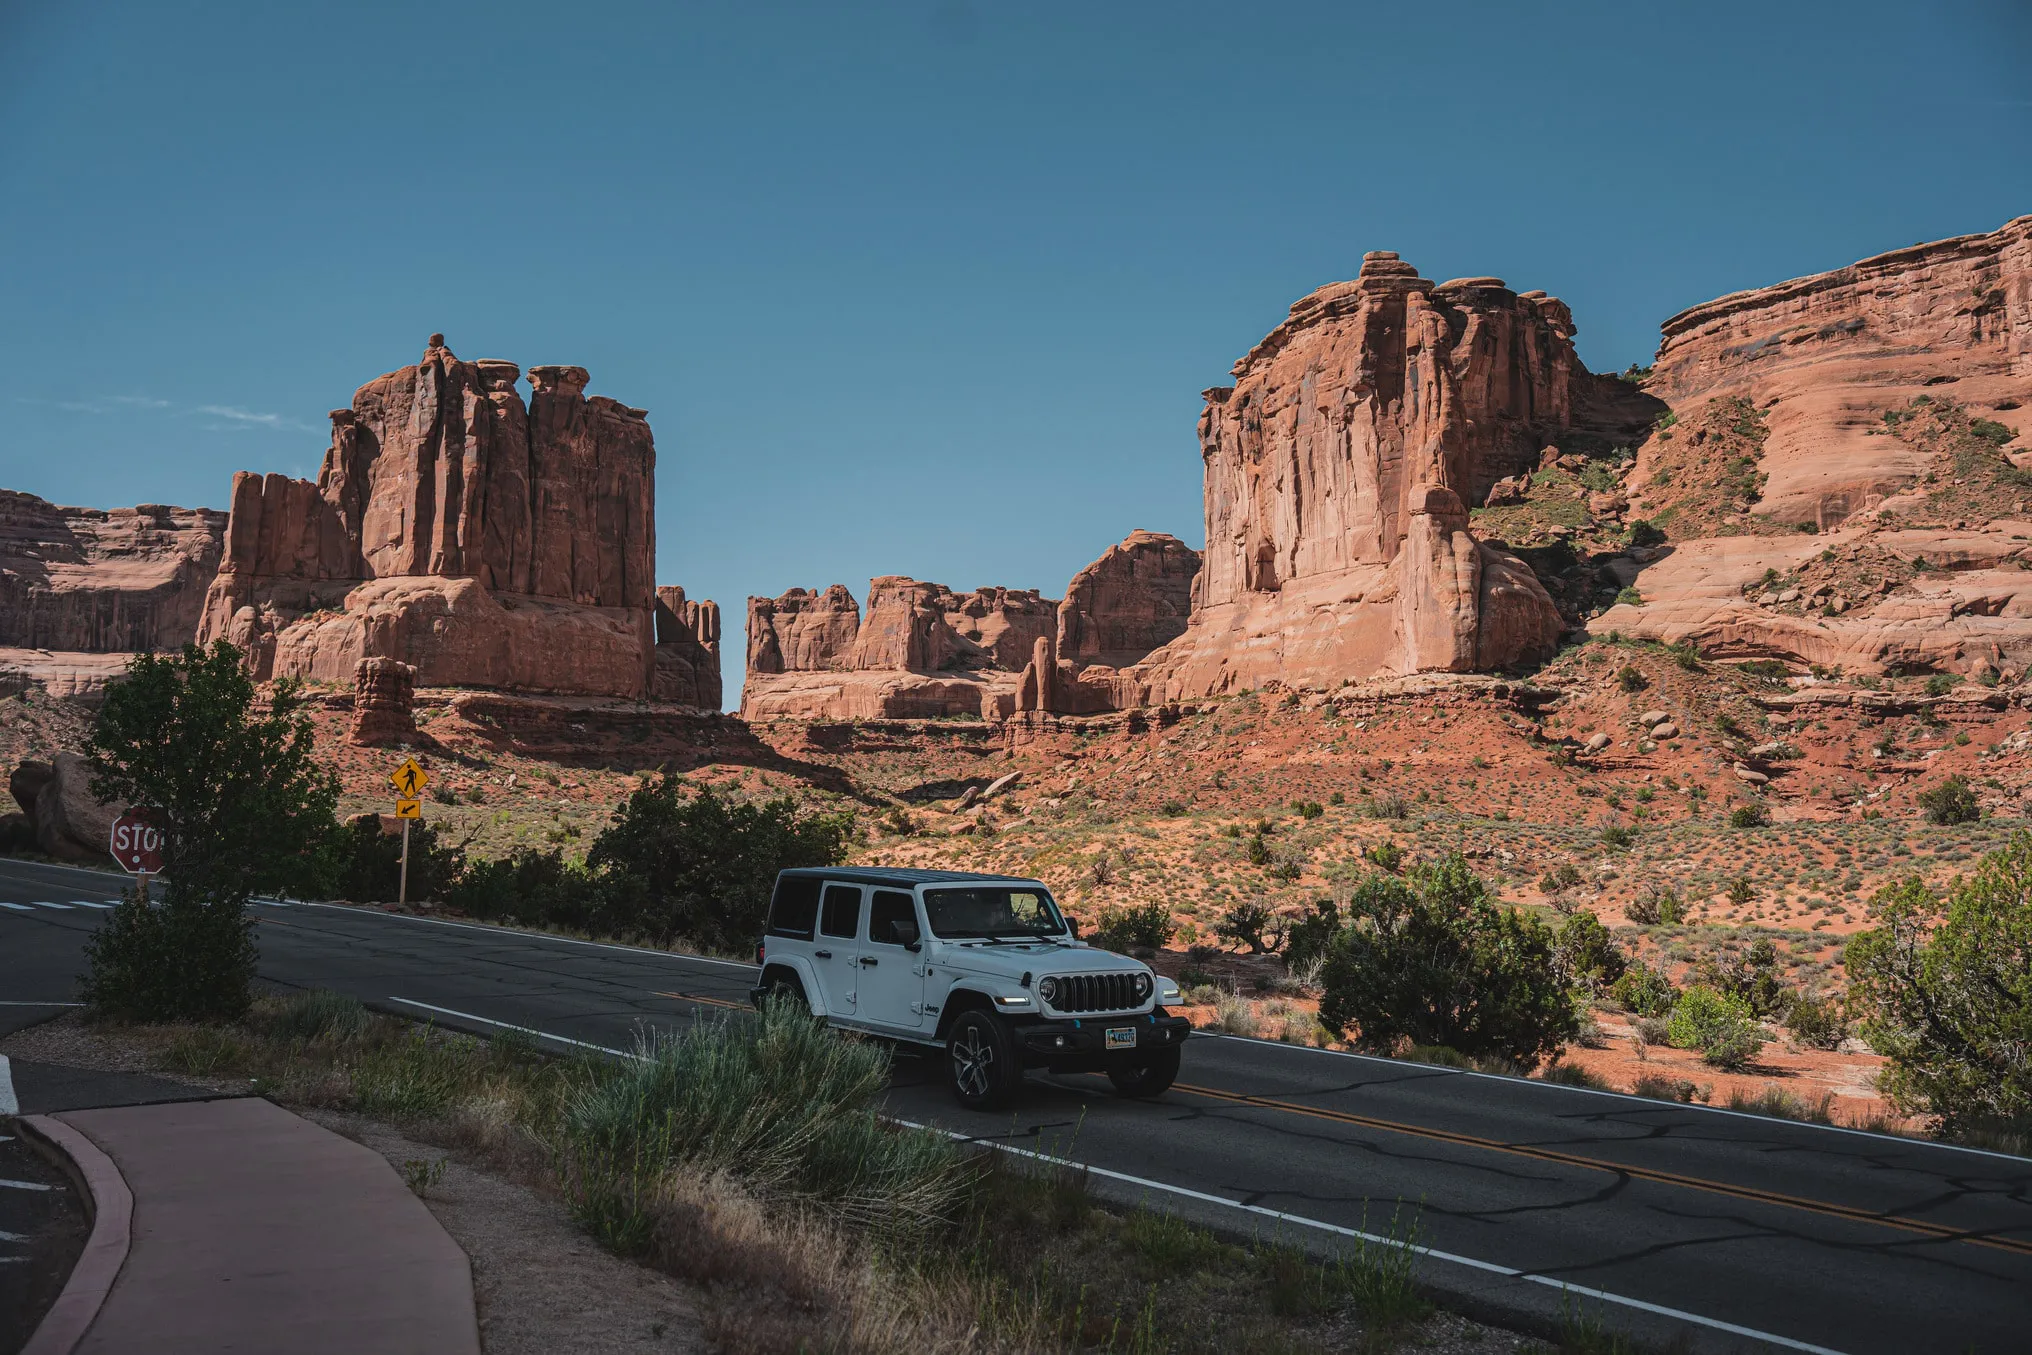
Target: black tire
pixel 1150 1077
pixel 782 986
pixel 981 1062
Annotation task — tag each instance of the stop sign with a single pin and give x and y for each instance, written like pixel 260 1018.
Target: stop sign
pixel 137 843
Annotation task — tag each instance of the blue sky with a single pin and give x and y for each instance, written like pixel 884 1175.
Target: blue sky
pixel 925 287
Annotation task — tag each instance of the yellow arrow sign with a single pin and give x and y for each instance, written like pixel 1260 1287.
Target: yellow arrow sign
pixel 409 809
pixel 410 779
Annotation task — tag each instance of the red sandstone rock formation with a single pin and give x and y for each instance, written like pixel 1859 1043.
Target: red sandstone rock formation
pixel 1339 468
pixel 384 703
pixel 103 580
pixel 483 541
pixel 1135 598
pixel 687 659
pixel 1823 360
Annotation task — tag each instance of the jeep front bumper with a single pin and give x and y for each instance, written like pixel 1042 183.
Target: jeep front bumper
pixel 1082 1045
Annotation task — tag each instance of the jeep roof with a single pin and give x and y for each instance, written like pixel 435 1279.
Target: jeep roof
pixel 900 875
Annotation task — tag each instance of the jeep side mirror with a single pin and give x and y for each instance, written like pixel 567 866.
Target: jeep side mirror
pixel 904 932
pixel 1072 925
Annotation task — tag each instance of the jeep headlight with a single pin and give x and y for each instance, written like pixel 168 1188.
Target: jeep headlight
pixel 1142 986
pixel 1048 989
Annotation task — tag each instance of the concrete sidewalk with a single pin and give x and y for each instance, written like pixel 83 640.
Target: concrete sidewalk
pixel 253 1229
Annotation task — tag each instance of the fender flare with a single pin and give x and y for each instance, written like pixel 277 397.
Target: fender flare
pixel 799 968
pixel 966 995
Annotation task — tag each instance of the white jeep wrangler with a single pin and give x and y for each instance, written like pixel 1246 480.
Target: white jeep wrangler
pixel 981 966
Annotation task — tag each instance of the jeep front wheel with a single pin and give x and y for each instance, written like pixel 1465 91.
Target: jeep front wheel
pixel 982 1059
pixel 1151 1077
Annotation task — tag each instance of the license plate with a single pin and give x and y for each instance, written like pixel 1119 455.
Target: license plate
pixel 1122 1037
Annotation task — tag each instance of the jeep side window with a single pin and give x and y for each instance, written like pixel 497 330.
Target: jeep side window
pixel 891 907
pixel 841 915
pixel 795 907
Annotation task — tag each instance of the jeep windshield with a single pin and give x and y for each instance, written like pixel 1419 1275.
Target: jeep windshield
pixel 993 912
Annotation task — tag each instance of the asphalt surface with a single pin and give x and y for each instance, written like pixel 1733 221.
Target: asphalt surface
pixel 1724 1231
pixel 42 1229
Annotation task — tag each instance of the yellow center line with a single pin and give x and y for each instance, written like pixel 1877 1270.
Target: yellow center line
pixel 1752 1193
pixel 711 1001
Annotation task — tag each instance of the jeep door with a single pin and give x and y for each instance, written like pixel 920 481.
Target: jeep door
pixel 892 973
pixel 836 948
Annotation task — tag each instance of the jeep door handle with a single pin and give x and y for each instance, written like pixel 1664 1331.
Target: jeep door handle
pixel 869 960
pixel 822 954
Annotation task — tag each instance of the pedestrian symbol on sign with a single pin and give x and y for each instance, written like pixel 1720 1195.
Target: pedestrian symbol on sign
pixel 409 779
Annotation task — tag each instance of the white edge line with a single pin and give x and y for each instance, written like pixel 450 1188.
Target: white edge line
pixel 9 1104
pixel 17 907
pixel 526 1030
pixel 41 1004
pixel 533 936
pixel 1651 1101
pixel 1433 1253
pixel 1452 1258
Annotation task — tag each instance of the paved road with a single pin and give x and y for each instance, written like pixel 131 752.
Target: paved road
pixel 1733 1231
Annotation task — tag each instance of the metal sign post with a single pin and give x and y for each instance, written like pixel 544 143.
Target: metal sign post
pixel 409 780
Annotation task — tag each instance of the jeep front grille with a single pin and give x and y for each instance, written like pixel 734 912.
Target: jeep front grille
pixel 1095 993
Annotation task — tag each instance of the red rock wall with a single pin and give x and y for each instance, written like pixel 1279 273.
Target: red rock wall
pixel 1135 598
pixel 440 472
pixel 103 580
pixel 687 658
pixel 1339 467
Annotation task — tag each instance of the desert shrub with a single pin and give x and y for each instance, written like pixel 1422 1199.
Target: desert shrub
pixel 1952 801
pixel 1384 856
pixel 1385 807
pixel 1644 991
pixel 1661 1088
pixel 1143 924
pixel 1560 878
pixel 1653 1030
pixel 243 807
pixel 1171 809
pixel 1590 956
pixel 1308 809
pixel 1992 432
pixel 1250 924
pixel 1751 815
pixel 1721 1027
pixel 1751 976
pixel 1686 654
pixel 1632 598
pixel 1433 959
pixel 1306 938
pixel 317 1014
pixel 1617 835
pixel 1644 533
pixel 1629 677
pixel 368 862
pixel 1258 850
pixel 1740 891
pixel 1817 1022
pixel 532 888
pixel 1657 908
pixel 704 866
pixel 1944 988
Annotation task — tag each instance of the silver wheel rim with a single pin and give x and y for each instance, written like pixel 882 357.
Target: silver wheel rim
pixel 973 1061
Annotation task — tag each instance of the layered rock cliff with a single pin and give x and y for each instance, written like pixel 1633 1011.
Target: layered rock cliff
pixel 1339 470
pixel 103 580
pixel 923 650
pixel 485 541
pixel 1840 482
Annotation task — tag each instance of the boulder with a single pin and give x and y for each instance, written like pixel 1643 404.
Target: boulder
pixel 1750 775
pixel 26 781
pixel 384 703
pixel 1654 717
pixel 1597 743
pixel 1668 730
pixel 69 823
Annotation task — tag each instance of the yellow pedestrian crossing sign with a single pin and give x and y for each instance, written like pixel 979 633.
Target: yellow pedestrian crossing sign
pixel 410 779
pixel 409 809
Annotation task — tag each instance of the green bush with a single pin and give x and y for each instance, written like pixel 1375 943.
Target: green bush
pixel 368 867
pixel 1952 801
pixel 1588 953
pixel 1306 940
pixel 1721 1027
pixel 1247 925
pixel 1992 432
pixel 1752 977
pixel 1657 908
pixel 703 866
pixel 1308 809
pixel 1433 959
pixel 1944 988
pixel 1644 991
pixel 1751 815
pixel 529 888
pixel 1629 677
pixel 1384 855
pixel 1817 1022
pixel 1618 836
pixel 1562 877
pixel 1644 533
pixel 244 808
pixel 1144 924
